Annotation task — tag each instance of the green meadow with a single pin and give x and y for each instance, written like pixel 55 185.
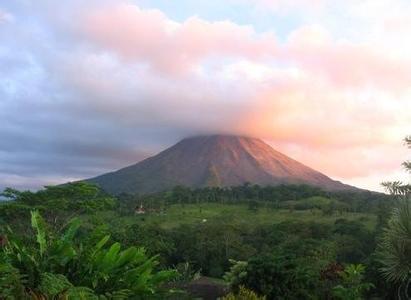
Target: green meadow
pixel 192 214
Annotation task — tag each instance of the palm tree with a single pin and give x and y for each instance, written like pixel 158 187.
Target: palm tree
pixel 394 249
pixel 395 245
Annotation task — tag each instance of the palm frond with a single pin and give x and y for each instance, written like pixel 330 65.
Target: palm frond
pixel 394 250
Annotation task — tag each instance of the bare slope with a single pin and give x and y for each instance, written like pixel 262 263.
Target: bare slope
pixel 217 160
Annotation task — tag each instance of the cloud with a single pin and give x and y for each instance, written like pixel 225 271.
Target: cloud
pixel 122 82
pixel 143 35
pixel 5 17
pixel 345 63
pixel 285 6
pixel 151 37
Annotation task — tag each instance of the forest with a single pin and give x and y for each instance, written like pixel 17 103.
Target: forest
pixel 74 241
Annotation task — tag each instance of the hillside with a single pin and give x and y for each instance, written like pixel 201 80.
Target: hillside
pixel 216 160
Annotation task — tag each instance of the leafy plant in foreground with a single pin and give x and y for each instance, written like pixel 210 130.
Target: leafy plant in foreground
pixel 60 267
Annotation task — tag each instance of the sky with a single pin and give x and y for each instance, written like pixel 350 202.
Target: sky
pixel 88 87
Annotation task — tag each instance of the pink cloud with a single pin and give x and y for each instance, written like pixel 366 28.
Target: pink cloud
pixel 339 134
pixel 340 101
pixel 149 36
pixel 344 63
pixel 349 162
pixel 285 6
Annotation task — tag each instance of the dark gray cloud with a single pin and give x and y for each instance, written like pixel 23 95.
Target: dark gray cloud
pixel 69 110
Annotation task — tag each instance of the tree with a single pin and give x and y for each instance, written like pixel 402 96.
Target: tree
pixel 57 204
pixel 236 275
pixel 394 249
pixel 275 276
pixel 244 294
pixel 352 286
pixel 10 194
pixel 397 187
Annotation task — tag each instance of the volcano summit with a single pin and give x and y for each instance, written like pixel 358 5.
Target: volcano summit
pixel 215 160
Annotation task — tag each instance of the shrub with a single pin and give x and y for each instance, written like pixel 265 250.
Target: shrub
pixel 59 266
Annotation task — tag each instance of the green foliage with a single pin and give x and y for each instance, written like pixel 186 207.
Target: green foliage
pixel 243 294
pixel 352 286
pixel 80 197
pixel 38 224
pixel 233 232
pixel 253 205
pixel 397 187
pixel 59 266
pixel 186 272
pixel 325 204
pixel 10 194
pixel 110 269
pixel 277 253
pixel 12 212
pixel 277 277
pixel 237 273
pixel 301 196
pixel 11 281
pixel 57 286
pixel 354 241
pixel 394 250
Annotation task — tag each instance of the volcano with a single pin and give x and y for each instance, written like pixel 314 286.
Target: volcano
pixel 215 160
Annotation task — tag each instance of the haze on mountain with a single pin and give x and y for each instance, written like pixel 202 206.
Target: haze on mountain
pixel 214 160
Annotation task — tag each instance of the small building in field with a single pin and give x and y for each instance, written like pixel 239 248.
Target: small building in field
pixel 140 210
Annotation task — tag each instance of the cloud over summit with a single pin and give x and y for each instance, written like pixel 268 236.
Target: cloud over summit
pixel 87 88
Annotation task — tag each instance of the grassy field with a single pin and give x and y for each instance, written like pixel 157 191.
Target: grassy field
pixel 194 214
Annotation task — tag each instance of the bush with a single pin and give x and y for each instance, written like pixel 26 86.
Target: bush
pixel 243 294
pixel 59 266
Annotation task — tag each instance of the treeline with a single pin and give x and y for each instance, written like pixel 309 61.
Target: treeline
pixel 279 196
pixel 57 204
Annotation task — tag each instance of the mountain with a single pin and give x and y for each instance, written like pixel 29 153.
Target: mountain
pixel 216 160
